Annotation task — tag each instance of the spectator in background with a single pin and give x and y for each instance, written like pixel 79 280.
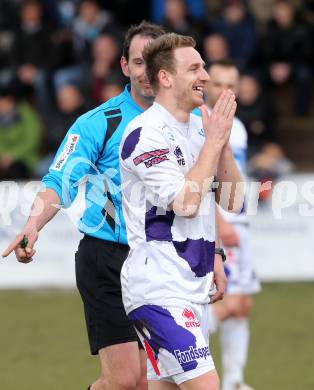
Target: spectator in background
pixel 268 166
pixel 215 48
pixel 93 76
pixel 196 9
pixel 254 111
pixel 67 68
pixel 70 104
pixel 75 56
pixel 112 87
pixel 177 19
pixel 62 12
pixel 238 28
pixel 32 54
pixel 270 163
pixel 6 54
pixel 106 56
pixel 88 25
pixel 288 50
pixel 19 137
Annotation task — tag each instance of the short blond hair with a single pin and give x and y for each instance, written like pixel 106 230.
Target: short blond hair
pixel 159 54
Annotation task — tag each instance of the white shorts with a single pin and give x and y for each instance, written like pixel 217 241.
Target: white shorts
pixel 239 266
pixel 176 340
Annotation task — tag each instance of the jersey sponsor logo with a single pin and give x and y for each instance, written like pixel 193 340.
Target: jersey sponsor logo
pixel 179 155
pixel 155 161
pixel 191 354
pixel 68 148
pixel 190 319
pixel 152 158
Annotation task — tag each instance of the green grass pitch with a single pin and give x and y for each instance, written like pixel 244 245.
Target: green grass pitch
pixel 43 343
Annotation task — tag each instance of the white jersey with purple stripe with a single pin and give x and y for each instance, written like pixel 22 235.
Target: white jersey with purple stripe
pixel 171 258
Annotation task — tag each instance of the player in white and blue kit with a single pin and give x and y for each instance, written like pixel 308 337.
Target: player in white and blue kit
pixel 168 158
pixel 234 310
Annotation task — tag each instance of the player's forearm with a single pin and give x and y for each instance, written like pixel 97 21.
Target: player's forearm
pixel 45 207
pixel 198 181
pixel 230 191
pixel 217 222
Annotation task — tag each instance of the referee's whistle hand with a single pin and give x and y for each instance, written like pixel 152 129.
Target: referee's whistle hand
pixel 23 255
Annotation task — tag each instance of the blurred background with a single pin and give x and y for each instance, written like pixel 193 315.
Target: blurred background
pixel 59 58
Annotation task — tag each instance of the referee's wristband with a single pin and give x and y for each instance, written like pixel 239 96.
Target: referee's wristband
pixel 221 252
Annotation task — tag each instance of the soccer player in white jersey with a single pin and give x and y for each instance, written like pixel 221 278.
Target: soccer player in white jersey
pixel 168 158
pixel 234 310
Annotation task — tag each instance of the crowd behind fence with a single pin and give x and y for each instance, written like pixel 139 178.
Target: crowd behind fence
pixel 60 58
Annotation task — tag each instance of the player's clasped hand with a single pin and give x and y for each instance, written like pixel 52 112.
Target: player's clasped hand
pixel 23 245
pixel 217 125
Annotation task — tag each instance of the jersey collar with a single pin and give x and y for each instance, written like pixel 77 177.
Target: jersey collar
pixel 171 121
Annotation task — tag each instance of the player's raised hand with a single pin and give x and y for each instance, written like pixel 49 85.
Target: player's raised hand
pixel 23 245
pixel 217 125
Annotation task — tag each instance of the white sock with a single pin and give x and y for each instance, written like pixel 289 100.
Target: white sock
pixel 234 341
pixel 213 321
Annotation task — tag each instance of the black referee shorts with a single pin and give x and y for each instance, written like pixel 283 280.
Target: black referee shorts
pixel 98 266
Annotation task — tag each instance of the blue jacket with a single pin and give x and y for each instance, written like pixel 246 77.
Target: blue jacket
pixel 90 151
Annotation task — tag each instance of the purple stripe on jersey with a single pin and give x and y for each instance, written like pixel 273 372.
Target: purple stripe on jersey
pixel 158 225
pixel 165 333
pixel 199 254
pixel 130 143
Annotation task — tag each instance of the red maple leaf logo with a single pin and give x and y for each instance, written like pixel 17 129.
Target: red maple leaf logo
pixel 187 313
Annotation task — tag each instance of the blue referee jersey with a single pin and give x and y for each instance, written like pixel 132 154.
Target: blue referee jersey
pixel 90 151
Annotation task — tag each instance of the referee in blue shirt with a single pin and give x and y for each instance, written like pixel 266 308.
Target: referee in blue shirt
pixel 90 151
